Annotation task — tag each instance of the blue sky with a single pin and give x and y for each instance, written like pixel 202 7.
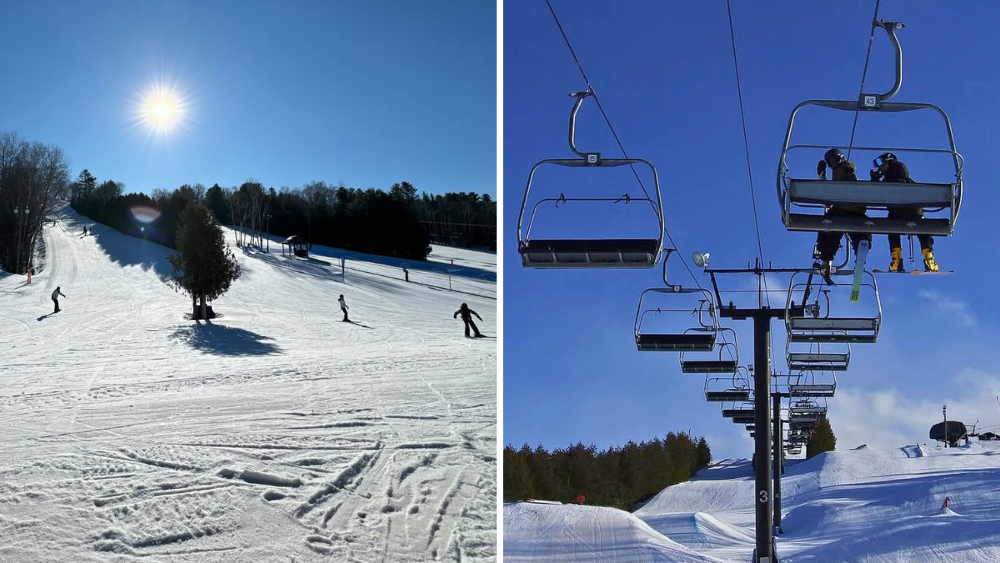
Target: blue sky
pixel 664 73
pixel 364 93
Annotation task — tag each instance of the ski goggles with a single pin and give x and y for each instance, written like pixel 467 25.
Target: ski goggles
pixel 880 160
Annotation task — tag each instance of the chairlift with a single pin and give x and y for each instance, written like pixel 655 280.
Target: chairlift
pixel 592 252
pixel 726 389
pixel 701 338
pixel 810 388
pixel 745 410
pixel 720 365
pixel 827 329
pixel 816 359
pixel 804 201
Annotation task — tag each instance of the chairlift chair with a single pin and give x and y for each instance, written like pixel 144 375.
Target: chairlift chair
pixel 725 389
pixel 592 252
pixel 701 338
pixel 816 359
pixel 827 329
pixel 803 201
pixel 720 365
pixel 810 388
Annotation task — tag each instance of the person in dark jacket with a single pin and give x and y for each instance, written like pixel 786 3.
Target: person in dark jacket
pixel 343 307
pixel 828 242
pixel 888 168
pixel 467 313
pixel 55 298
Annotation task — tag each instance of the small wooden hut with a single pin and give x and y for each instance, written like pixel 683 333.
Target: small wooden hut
pixel 296 245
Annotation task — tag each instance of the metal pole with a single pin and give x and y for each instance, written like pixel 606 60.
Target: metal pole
pixel 944 410
pixel 777 446
pixel 762 385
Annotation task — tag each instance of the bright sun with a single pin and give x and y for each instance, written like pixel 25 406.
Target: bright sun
pixel 163 110
pixel 161 113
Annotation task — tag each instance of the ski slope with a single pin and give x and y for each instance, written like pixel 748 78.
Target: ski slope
pixel 275 432
pixel 866 505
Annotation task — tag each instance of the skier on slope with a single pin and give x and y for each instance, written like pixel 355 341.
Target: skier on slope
pixel 343 307
pixel 55 298
pixel 467 313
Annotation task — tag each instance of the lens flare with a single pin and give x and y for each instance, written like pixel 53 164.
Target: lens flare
pixel 144 214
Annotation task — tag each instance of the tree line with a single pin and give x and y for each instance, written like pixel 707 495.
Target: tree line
pixel 33 182
pixel 373 221
pixel 617 477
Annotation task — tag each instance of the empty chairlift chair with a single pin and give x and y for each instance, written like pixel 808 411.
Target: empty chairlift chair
pixel 807 385
pixel 728 389
pixel 701 338
pixel 803 200
pixel 597 252
pixel 828 329
pixel 816 359
pixel 727 362
pixel 742 414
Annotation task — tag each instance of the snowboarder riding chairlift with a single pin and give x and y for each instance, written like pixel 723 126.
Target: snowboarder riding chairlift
pixel 888 168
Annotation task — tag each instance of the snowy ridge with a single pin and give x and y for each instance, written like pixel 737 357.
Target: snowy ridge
pixel 865 505
pixel 275 432
pixel 573 533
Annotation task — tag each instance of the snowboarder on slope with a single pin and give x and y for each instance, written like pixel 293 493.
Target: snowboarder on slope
pixel 467 313
pixel 343 307
pixel 85 230
pixel 55 298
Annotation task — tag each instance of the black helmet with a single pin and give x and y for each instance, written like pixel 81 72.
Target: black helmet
pixel 464 306
pixel 834 157
pixel 884 158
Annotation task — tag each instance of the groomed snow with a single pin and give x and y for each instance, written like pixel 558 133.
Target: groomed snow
pixel 866 505
pixel 276 432
pixel 585 534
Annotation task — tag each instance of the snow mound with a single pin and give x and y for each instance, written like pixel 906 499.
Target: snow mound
pixel 581 534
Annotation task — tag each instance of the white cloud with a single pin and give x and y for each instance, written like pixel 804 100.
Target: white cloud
pixel 955 307
pixel 895 418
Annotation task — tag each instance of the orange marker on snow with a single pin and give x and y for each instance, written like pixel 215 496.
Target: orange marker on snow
pixel 29 275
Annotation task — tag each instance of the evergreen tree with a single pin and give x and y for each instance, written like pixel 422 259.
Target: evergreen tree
pixel 86 184
pixel 215 200
pixel 704 454
pixel 517 481
pixel 204 267
pixel 822 439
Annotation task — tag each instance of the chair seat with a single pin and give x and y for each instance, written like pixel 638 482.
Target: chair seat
pixel 676 342
pixel 708 366
pixel 832 338
pixel 870 194
pixel 590 253
pixel 814 390
pixel 872 225
pixel 727 395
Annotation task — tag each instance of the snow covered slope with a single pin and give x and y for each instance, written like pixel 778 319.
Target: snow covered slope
pixel 866 505
pixel 276 432
pixel 585 534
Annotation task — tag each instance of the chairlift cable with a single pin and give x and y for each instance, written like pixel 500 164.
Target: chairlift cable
pixel 864 76
pixel 613 132
pixel 746 148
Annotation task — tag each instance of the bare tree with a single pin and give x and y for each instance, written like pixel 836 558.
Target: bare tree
pixel 34 182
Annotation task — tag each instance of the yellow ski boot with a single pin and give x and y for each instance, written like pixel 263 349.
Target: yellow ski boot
pixel 929 264
pixel 897 260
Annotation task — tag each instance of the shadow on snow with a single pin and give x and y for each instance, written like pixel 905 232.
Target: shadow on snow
pixel 225 340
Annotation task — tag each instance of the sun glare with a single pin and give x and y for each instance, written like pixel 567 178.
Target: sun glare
pixel 161 109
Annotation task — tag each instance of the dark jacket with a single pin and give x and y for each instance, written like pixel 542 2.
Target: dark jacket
pixel 466 314
pixel 896 171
